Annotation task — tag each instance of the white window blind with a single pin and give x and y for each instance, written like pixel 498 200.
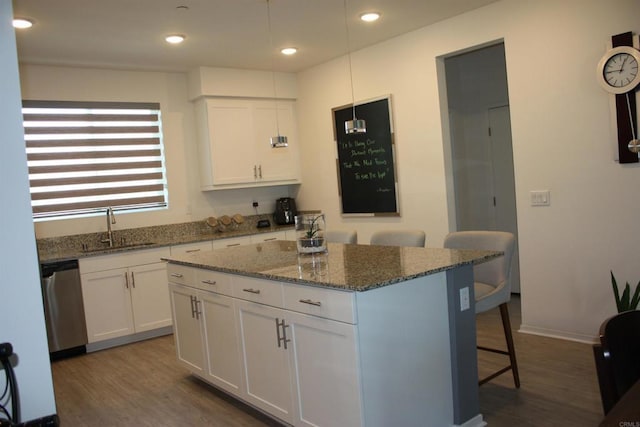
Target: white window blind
pixel 86 156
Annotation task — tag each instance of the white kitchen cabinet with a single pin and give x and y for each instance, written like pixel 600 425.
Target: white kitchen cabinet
pixel 288 350
pixel 125 301
pixel 224 363
pixel 205 328
pixel 125 294
pixel 234 139
pixel 230 242
pixel 187 328
pixel 325 369
pixel 107 304
pixel 267 383
pixel 189 248
pixel 268 237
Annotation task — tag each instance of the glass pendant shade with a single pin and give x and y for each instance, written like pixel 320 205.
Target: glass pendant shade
pixel 279 141
pixel 355 126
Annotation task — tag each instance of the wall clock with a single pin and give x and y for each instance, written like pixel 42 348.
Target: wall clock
pixel 618 74
pixel 618 69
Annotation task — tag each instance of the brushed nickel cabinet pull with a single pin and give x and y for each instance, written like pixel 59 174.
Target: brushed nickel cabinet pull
pixel 192 250
pixel 133 280
pixel 209 282
pixel 197 309
pixel 126 280
pixel 178 275
pixel 251 290
pixel 308 301
pixel 255 172
pixel 260 171
pixel 193 309
pixel 270 238
pixel 233 244
pixel 278 331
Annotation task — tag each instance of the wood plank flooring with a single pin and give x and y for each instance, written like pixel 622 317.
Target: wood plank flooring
pixel 142 385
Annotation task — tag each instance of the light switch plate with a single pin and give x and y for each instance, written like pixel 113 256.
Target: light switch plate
pixel 540 197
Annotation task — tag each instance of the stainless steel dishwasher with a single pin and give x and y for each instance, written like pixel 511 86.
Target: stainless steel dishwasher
pixel 63 308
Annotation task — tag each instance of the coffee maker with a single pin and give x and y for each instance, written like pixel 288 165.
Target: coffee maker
pixel 285 211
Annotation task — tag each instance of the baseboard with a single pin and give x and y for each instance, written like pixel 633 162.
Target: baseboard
pixel 114 342
pixel 563 335
pixel 476 421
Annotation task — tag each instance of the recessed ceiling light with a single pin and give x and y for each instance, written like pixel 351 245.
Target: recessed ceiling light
pixel 175 38
pixel 289 50
pixel 22 23
pixel 370 16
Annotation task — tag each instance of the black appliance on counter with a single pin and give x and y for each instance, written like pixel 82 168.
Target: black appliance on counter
pixel 285 211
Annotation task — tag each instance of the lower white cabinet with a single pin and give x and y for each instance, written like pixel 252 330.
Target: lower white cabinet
pixel 293 363
pixel 124 301
pixel 206 335
pixel 266 359
pixel 187 328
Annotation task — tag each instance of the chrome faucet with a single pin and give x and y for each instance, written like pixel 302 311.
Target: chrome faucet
pixel 111 219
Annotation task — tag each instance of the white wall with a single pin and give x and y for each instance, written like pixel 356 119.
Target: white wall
pixel 186 201
pixel 21 315
pixel 560 124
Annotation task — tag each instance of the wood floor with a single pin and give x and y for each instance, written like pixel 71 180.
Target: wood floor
pixel 141 385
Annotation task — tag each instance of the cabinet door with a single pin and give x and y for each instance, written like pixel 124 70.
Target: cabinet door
pixel 230 242
pixel 231 139
pixel 275 163
pixel 267 379
pixel 221 336
pixel 186 328
pixel 325 365
pixel 150 296
pixel 107 304
pixel 191 248
pixel 267 237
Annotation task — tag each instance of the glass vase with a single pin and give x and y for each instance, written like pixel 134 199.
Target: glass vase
pixel 310 233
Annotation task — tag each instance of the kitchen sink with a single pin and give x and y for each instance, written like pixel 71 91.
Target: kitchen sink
pixel 127 246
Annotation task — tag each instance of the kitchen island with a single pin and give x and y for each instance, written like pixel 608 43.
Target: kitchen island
pixel 358 336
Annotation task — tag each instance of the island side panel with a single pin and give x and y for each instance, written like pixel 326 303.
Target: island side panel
pixel 464 361
pixel 404 350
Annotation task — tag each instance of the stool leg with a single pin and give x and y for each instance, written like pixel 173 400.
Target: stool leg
pixel 506 324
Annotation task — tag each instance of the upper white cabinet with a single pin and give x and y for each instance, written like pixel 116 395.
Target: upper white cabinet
pixel 234 139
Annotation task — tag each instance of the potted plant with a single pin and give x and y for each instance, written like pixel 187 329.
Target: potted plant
pixel 310 233
pixel 626 302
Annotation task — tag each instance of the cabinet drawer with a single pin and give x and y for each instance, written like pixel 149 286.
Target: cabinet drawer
pixel 327 303
pixel 258 290
pixel 214 281
pixel 181 274
pixel 191 248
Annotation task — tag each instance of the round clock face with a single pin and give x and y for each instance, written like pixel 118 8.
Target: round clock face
pixel 618 69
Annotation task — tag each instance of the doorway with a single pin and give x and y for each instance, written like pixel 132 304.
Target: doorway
pixel 481 154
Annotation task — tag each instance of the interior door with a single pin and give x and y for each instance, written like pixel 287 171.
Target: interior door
pixel 504 191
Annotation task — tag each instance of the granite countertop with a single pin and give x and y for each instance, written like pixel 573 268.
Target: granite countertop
pixel 343 267
pixel 71 247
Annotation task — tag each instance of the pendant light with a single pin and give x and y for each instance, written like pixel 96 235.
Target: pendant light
pixel 355 125
pixel 278 141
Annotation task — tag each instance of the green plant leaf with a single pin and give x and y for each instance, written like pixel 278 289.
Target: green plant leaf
pixel 624 301
pixel 616 294
pixel 633 305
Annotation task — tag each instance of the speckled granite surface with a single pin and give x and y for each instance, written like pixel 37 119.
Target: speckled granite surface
pixel 345 267
pixel 71 247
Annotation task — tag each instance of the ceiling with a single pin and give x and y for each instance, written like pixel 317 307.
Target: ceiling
pixel 129 34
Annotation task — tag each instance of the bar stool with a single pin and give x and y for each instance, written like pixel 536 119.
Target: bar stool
pixel 492 284
pixel 398 238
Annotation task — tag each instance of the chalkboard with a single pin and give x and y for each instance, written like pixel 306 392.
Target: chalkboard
pixel 365 162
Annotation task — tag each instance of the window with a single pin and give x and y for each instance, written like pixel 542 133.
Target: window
pixel 86 156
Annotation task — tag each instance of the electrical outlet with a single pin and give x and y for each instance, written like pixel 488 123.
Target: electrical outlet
pixel 254 204
pixel 464 299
